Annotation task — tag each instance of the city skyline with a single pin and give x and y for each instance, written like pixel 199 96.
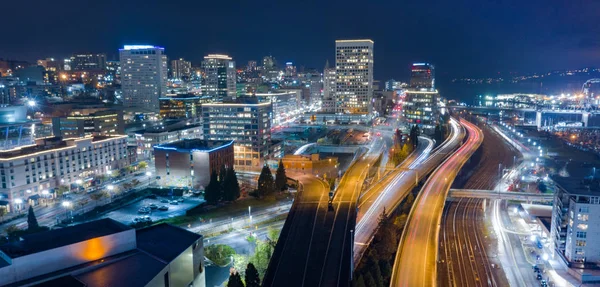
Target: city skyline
pixel 474 40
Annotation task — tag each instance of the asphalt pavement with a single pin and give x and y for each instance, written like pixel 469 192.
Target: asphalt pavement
pixel 415 263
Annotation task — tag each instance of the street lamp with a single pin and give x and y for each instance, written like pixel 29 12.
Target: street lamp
pixel 45 195
pixel 31 103
pixel 148 173
pixel 79 181
pixel 67 205
pixel 110 187
pixel 18 202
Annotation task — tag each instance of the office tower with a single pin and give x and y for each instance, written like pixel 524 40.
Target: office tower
pixel 420 107
pixel 354 76
pixel 290 69
pixel 393 85
pixel 88 62
pixel 181 69
pixel 219 77
pixel 143 76
pixel 246 122
pixel 269 69
pixel 422 76
pixel 328 101
pixel 101 123
pixel 251 66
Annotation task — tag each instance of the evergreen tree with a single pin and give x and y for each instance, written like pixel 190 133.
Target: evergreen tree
pixel 437 134
pixel 280 177
pixel 369 281
pixel 386 269
pixel 235 280
pixel 252 278
pixel 359 282
pixel 32 223
pixel 222 174
pixel 231 187
pixel 212 192
pixel 265 182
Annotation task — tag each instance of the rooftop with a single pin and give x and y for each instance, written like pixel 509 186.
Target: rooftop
pixel 47 144
pixel 162 129
pixel 135 270
pixel 152 240
pixel 194 145
pixel 43 241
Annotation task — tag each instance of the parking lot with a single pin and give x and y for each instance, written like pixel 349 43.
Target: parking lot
pixel 128 213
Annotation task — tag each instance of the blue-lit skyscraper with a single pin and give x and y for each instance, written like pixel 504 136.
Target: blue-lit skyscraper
pixel 422 76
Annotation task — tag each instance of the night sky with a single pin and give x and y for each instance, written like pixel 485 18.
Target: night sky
pixel 463 38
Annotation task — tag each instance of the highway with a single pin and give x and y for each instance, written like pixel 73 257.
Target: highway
pixel 392 189
pixel 415 262
pixel 315 244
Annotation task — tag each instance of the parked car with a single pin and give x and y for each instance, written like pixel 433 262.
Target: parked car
pixel 539 277
pixel 153 206
pixel 164 201
pixel 151 196
pixel 144 210
pixel 174 202
pixel 180 199
pixel 163 208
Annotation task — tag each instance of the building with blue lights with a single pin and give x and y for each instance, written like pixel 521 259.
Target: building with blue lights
pixel 189 163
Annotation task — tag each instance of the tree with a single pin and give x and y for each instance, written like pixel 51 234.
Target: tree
pixel 82 203
pixel 265 182
pixel 231 186
pixel 252 278
pixel 235 280
pixel 212 192
pixel 369 281
pixel 32 223
pixel 12 230
pixel 437 134
pixel 2 213
pixel 142 164
pixel 360 281
pixel 222 174
pixel 280 177
pixel 60 190
pixel 97 196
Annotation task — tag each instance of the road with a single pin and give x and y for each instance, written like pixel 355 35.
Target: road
pixel 415 263
pixel 315 246
pixel 390 191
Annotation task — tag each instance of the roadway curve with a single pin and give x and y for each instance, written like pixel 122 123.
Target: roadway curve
pixel 416 258
pixel 315 246
pixel 391 190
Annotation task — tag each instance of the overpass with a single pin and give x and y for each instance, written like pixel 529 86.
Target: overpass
pixel 493 194
pixel 540 111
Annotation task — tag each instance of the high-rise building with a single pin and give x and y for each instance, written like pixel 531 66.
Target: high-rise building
pixel 181 69
pixel 251 66
pixel 328 101
pixel 422 76
pixel 219 77
pixel 269 69
pixel 354 76
pixel 290 69
pixel 246 122
pixel 88 62
pixel 143 76
pixel 393 85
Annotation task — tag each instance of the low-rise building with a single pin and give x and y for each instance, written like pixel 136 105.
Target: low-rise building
pixel 189 163
pixel 30 170
pixel 104 253
pixel 421 108
pixel 106 122
pixel 180 106
pixel 146 139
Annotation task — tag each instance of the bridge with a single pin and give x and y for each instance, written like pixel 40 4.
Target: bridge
pixel 540 110
pixel 493 194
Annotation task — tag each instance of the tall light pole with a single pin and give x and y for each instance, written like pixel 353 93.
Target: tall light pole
pixel 66 205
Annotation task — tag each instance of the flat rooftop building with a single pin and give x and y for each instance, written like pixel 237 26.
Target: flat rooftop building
pixel 104 253
pixel 189 163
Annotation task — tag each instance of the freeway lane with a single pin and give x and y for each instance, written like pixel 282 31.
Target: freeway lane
pixel 390 191
pixel 315 240
pixel 415 263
